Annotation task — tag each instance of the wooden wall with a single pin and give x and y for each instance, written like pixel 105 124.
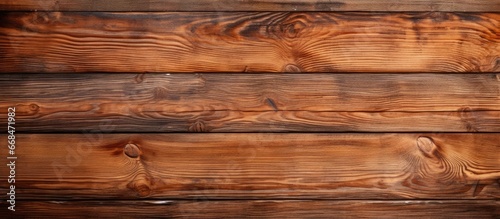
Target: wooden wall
pixel 259 108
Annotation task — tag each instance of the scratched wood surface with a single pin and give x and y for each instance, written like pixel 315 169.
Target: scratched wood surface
pixel 258 209
pixel 257 166
pixel 253 5
pixel 54 42
pixel 253 102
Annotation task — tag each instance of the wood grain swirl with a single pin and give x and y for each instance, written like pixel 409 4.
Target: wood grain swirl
pixel 252 103
pixel 256 209
pixel 252 5
pixel 249 42
pixel 94 165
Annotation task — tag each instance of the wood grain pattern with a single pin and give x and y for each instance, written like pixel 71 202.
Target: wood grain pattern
pixel 249 42
pixel 252 5
pixel 253 103
pixel 60 119
pixel 250 166
pixel 256 209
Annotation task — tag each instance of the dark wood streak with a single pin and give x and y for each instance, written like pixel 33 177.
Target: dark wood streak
pixel 257 166
pixel 253 5
pixel 249 41
pixel 256 208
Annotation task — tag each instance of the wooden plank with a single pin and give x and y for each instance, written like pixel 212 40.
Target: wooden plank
pixel 71 121
pixel 254 5
pixel 251 166
pixel 253 103
pixel 258 208
pixel 249 42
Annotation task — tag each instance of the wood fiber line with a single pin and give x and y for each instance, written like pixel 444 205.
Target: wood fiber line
pixel 253 103
pixel 258 208
pixel 252 5
pixel 256 166
pixel 249 42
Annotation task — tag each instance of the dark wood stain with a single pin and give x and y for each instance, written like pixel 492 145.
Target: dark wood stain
pixel 198 207
pixel 254 5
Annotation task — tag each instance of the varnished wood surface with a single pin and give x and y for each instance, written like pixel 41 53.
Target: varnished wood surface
pixel 253 102
pixel 252 5
pixel 54 42
pixel 257 209
pixel 257 166
pixel 86 119
pixel 107 151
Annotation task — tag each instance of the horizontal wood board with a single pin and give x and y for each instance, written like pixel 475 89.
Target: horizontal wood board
pixel 53 42
pixel 252 5
pixel 256 166
pixel 257 209
pixel 252 102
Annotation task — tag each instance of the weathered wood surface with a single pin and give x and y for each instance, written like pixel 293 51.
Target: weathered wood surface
pixel 64 120
pixel 252 5
pixel 253 103
pixel 250 166
pixel 249 42
pixel 257 209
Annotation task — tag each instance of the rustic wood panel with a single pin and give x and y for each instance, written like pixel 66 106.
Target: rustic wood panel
pixel 266 166
pixel 60 119
pixel 249 42
pixel 260 209
pixel 253 103
pixel 253 5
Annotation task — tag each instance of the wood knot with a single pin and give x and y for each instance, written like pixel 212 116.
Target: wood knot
pixel 141 185
pixel 292 29
pixel 34 107
pixel 143 190
pixel 132 151
pixel 426 146
pixel 291 68
pixel 465 113
pixel 139 78
pixel 198 126
pixel 288 27
pixel 467 119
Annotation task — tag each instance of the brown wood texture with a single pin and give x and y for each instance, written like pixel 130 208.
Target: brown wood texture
pixel 252 5
pixel 257 166
pixel 253 102
pixel 249 42
pixel 257 209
